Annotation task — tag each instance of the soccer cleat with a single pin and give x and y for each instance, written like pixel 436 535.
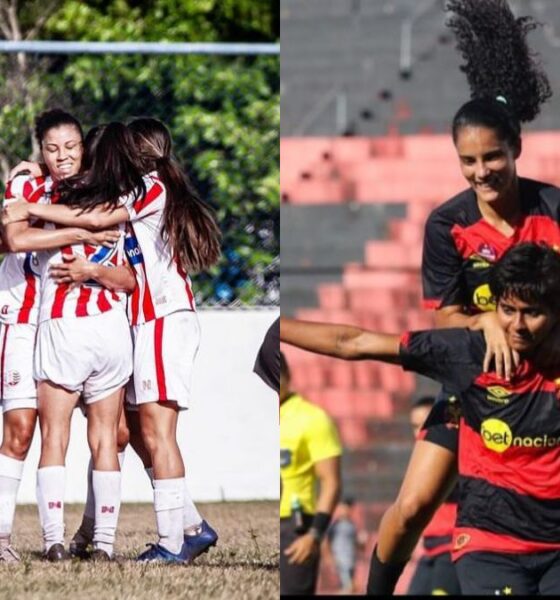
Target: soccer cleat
pixel 197 544
pixel 80 543
pixel 9 555
pixel 157 553
pixel 56 553
pixel 99 555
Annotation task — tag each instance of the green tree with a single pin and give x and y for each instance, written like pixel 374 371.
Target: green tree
pixel 223 112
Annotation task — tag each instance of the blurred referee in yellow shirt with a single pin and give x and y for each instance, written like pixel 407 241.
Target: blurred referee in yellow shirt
pixel 309 454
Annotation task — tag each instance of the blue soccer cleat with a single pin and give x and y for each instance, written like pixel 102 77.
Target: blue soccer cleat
pixel 195 545
pixel 157 553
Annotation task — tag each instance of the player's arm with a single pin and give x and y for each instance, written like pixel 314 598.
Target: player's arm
pixel 34 169
pixel 76 270
pixel 20 237
pixel 341 341
pixel 100 217
pixel 327 472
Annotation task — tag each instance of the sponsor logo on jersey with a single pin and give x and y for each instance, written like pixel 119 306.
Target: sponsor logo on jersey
pixel 133 251
pixel 488 252
pixel 498 394
pixel 477 262
pixel 285 458
pixel 497 436
pixel 483 298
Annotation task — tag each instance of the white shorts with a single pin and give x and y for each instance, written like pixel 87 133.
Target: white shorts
pixel 164 353
pixel 89 355
pixel 17 386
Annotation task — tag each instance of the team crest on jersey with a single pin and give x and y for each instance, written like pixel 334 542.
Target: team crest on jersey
pixel 285 458
pixel 13 378
pixel 498 394
pixel 461 541
pixel 488 252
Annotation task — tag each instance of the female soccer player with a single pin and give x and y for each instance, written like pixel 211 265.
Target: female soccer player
pixel 60 138
pixel 505 539
pixel 464 237
pixel 173 234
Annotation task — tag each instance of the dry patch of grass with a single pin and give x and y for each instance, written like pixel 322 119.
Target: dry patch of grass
pixel 244 564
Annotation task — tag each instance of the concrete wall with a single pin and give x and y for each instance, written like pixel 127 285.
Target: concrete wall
pixel 229 437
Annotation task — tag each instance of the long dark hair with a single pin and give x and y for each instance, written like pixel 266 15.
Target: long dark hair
pixel 189 225
pixel 507 83
pixel 109 170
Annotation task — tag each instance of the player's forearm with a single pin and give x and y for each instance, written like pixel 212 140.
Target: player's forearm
pixel 341 341
pixel 455 319
pixel 116 279
pixel 33 238
pixel 98 218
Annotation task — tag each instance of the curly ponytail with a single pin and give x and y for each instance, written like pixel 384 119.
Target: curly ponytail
pixel 498 63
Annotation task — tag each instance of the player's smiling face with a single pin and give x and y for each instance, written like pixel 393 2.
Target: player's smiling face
pixel 62 151
pixel 487 162
pixel 526 325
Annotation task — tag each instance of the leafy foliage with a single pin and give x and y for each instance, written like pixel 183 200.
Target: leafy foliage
pixel 223 112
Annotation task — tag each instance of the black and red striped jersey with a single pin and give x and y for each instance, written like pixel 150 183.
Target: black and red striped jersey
pixel 509 444
pixel 460 246
pixel 437 537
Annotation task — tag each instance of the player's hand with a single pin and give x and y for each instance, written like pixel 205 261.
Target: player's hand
pixel 506 360
pixel 35 169
pixel 74 270
pixel 104 237
pixel 15 211
pixel 302 549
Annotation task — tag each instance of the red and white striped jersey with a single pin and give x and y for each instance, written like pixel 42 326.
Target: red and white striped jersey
pixel 88 299
pixel 162 285
pixel 19 271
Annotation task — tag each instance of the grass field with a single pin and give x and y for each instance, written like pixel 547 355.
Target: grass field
pixel 243 565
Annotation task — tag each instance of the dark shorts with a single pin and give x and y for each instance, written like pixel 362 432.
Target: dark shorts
pixel 296 580
pixel 435 575
pixel 490 573
pixel 442 425
pixel 267 364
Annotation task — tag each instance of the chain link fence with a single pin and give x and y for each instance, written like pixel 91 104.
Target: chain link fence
pixel 224 115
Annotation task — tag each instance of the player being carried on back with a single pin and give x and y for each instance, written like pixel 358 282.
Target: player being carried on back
pixel 509 452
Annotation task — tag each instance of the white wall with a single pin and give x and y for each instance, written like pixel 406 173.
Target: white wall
pixel 229 436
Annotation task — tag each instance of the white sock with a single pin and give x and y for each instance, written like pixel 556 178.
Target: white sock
pixel 85 532
pixel 10 477
pixel 168 504
pixel 191 517
pixel 107 491
pixel 50 501
pixel 89 510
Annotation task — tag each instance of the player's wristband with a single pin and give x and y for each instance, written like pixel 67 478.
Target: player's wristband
pixel 319 525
